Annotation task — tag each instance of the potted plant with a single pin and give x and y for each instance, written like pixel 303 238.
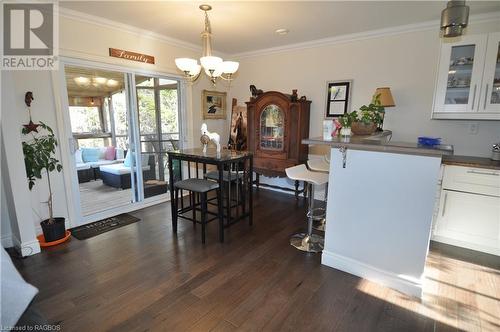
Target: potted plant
pixel 368 118
pixel 345 123
pixel 39 159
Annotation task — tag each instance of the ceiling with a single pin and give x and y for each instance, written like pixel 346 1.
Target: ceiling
pixel 92 89
pixel 248 26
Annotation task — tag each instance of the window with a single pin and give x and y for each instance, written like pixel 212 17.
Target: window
pixel 85 119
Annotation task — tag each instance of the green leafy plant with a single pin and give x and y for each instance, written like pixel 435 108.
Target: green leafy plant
pixel 39 158
pixel 346 120
pixel 367 114
pixel 371 113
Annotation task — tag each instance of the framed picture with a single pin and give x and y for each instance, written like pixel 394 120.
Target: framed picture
pixel 213 104
pixel 338 98
pixel 238 135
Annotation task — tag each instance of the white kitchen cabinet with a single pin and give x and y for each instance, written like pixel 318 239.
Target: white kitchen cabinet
pixel 490 98
pixel 468 70
pixel 469 209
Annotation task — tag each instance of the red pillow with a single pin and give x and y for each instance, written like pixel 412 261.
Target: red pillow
pixel 110 153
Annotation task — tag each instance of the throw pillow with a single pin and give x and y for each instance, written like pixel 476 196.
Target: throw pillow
pixel 102 152
pixel 78 156
pixel 90 154
pixel 110 153
pixel 129 160
pixel 120 154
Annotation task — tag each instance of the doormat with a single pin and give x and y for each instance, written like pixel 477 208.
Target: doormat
pixel 103 226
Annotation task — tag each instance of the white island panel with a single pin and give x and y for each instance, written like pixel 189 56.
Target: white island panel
pixel 379 216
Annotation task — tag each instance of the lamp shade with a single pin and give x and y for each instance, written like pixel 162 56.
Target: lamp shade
pixel 210 62
pixel 186 64
pixel 385 96
pixel 229 67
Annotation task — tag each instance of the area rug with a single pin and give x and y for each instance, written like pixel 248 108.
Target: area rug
pixel 103 226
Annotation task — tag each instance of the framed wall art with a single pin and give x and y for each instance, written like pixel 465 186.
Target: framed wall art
pixel 338 98
pixel 213 104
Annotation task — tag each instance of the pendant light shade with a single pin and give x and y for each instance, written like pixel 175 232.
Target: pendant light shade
pixel 210 62
pixel 185 64
pixel 454 18
pixel 230 67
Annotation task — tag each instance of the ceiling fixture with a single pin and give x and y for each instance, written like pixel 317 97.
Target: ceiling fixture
pixel 99 80
pixel 112 83
pixel 454 18
pixel 213 66
pixel 282 31
pixel 82 81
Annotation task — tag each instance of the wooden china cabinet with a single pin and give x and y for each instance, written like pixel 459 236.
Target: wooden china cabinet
pixel 277 123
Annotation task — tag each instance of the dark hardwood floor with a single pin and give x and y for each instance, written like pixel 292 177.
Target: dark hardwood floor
pixel 140 277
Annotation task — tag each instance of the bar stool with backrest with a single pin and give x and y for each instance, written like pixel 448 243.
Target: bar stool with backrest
pixel 308 241
pixel 229 178
pixel 199 187
pixel 320 165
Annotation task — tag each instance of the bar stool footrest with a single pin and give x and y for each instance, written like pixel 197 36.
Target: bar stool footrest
pixel 308 243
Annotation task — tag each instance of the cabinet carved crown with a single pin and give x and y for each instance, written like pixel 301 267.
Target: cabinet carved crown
pixel 277 123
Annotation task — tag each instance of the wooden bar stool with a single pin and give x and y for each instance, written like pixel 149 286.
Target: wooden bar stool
pixel 199 187
pixel 308 241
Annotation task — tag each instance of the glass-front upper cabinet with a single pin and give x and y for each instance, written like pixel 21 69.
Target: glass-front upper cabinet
pixel 468 83
pixel 460 70
pixel 271 128
pixel 490 98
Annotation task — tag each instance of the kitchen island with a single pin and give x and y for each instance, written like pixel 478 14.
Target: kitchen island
pixel 381 197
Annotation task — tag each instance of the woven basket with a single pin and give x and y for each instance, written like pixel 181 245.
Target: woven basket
pixel 359 128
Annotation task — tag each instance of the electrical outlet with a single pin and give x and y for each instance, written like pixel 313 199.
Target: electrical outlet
pixel 473 128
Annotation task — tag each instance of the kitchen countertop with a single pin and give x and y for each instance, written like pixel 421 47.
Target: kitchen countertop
pixel 468 161
pixel 381 142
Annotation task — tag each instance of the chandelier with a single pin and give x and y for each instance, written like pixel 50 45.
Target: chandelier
pixel 213 66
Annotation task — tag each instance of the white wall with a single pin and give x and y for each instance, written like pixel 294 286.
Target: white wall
pixel 5 228
pixel 405 62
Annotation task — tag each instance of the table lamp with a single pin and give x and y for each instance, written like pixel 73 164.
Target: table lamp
pixel 386 100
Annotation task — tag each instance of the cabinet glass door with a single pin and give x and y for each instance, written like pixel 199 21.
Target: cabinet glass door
pixel 495 92
pixel 458 89
pixel 460 74
pixel 490 99
pixel 271 128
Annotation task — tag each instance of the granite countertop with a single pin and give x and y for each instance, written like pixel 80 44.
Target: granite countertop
pixel 381 142
pixel 467 161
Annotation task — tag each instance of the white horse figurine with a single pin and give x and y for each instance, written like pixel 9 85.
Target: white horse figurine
pixel 214 137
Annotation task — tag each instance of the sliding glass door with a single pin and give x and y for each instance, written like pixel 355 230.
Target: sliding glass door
pixel 122 125
pixel 158 113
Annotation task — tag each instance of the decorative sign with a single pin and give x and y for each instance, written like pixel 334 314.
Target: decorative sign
pixel 117 53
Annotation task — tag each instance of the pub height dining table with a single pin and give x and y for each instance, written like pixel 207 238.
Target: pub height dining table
pixel 232 170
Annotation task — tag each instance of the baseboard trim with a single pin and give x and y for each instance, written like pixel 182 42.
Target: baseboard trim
pixel 7 240
pixel 385 278
pixel 26 248
pixel 464 244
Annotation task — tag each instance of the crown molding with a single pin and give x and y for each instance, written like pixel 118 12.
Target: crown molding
pixel 423 26
pixel 96 20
